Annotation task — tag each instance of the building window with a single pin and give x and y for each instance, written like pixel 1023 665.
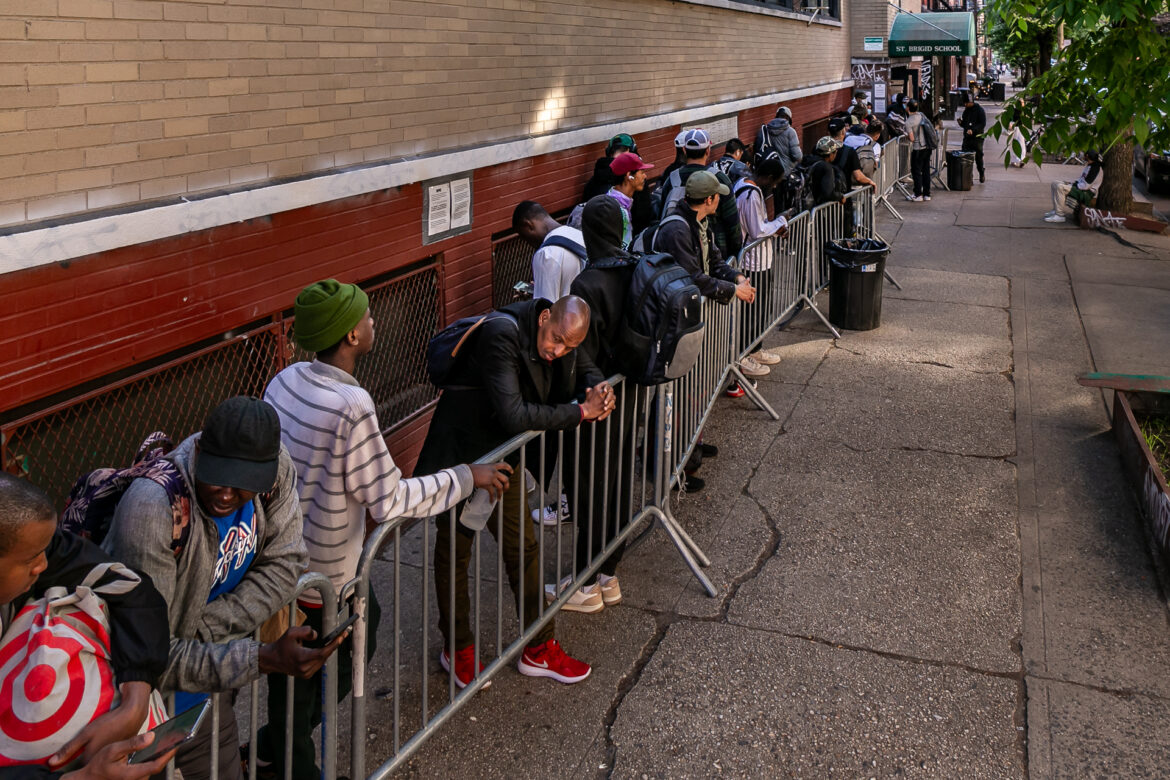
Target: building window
pixel 831 8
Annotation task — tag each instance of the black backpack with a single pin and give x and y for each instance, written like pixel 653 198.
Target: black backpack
pixel 793 191
pixel 443 348
pixel 664 326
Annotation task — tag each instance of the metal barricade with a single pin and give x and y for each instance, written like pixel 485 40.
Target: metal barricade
pixel 615 475
pixel 939 158
pixel 327 748
pixel 861 201
pixel 887 174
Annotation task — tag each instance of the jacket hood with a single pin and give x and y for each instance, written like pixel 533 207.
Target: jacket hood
pixel 601 225
pixel 779 124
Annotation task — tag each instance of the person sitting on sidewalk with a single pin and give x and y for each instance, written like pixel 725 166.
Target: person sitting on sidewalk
pixel 560 250
pixel 1081 191
pixel 344 470
pixel 750 192
pixel 240 565
pixel 521 372
pixel 36 556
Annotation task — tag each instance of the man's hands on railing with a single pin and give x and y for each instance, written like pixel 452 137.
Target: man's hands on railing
pixel 492 477
pixel 288 655
pixel 744 290
pixel 600 402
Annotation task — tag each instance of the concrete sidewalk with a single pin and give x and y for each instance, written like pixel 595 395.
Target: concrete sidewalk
pixel 930 566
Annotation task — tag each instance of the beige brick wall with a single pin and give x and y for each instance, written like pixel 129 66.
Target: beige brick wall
pixel 874 17
pixel 112 102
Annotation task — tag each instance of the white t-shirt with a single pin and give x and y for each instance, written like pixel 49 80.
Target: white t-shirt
pixel 555 268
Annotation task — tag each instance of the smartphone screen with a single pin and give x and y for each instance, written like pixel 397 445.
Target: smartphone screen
pixel 344 626
pixel 173 733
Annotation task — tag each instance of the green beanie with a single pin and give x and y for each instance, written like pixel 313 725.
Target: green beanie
pixel 326 311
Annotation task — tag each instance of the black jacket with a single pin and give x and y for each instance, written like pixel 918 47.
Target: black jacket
pixel 139 637
pixel 511 390
pixel 821 178
pixel 974 118
pixel 725 227
pixel 604 284
pixel 715 279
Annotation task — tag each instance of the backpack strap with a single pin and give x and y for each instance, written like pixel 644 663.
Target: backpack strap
pixel 565 242
pixel 658 230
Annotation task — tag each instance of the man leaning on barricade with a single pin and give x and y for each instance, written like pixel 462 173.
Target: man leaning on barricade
pixel 344 470
pixel 238 566
pixel 519 371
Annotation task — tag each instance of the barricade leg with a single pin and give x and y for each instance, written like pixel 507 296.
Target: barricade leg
pixel 753 392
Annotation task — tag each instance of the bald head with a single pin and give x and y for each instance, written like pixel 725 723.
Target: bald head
pixel 562 327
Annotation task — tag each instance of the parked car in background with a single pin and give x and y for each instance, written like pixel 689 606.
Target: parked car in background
pixel 1152 166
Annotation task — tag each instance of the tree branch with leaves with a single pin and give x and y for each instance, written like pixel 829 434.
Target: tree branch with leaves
pixel 1110 85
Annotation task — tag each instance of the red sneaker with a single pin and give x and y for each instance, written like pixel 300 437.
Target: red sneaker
pixel 464 666
pixel 734 391
pixel 549 660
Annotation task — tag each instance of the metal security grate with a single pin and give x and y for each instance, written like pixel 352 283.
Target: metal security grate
pixel 104 427
pixel 511 264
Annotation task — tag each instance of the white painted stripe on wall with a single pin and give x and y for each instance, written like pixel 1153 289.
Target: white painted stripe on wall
pixel 33 248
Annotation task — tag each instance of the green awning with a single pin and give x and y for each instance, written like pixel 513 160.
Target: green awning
pixel 949 34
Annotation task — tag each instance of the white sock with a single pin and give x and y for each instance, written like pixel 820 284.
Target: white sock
pixel 604 579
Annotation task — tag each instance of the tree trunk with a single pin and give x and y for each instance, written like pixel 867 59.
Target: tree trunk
pixel 1116 193
pixel 1044 42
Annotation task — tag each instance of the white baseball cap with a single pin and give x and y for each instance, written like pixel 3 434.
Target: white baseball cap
pixel 696 139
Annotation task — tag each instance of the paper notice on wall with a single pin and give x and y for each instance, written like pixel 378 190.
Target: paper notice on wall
pixel 439 213
pixel 719 130
pixel 879 90
pixel 460 203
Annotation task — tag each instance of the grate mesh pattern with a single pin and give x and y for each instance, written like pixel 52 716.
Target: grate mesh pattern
pixel 511 264
pixel 52 448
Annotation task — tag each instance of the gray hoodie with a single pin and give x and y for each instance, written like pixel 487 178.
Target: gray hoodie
pixel 211 645
pixel 921 132
pixel 779 135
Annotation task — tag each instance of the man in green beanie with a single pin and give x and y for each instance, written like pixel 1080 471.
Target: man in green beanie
pixel 344 469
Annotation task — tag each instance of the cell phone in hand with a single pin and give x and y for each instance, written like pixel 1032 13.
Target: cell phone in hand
pixel 341 629
pixel 179 729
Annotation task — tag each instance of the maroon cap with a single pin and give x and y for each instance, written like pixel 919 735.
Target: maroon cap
pixel 628 162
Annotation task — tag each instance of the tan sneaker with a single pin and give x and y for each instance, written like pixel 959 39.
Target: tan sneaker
pixel 611 592
pixel 587 599
pixel 765 357
pixel 752 369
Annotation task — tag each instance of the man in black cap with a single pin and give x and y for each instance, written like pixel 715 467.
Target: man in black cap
pixel 237 566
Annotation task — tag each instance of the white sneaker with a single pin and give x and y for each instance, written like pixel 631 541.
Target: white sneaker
pixel 587 599
pixel 549 515
pixel 926 197
pixel 751 368
pixel 765 357
pixel 914 198
pixel 1056 218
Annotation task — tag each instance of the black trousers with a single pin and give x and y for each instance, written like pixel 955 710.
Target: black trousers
pixel 973 144
pixel 920 170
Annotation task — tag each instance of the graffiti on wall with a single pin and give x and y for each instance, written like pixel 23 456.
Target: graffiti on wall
pixel 926 71
pixel 865 73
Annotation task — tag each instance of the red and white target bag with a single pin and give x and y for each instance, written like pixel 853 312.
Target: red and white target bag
pixel 55 670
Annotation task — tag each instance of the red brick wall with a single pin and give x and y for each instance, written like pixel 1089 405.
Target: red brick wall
pixel 67 324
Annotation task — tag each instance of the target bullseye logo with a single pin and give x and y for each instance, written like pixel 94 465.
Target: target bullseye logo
pixel 55 677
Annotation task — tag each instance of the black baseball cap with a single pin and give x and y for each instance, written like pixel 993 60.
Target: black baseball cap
pixel 240 445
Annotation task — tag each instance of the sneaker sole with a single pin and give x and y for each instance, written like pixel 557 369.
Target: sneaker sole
pixel 458 683
pixel 537 671
pixel 586 609
pixel 611 602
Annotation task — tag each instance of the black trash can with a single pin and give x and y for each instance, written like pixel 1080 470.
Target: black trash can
pixel 856 270
pixel 999 92
pixel 959 167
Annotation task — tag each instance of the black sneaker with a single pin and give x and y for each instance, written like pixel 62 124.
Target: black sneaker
pixel 709 450
pixel 693 484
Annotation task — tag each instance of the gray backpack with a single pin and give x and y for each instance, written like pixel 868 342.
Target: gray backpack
pixel 867 158
pixel 674 194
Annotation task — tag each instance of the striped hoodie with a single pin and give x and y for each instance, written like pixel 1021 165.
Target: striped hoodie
pixel 343 468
